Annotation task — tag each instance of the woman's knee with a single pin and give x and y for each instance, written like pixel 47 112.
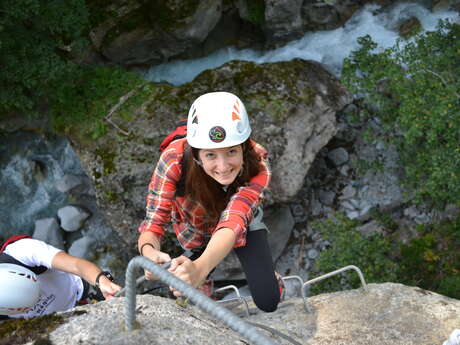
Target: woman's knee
pixel 267 302
pixel 267 305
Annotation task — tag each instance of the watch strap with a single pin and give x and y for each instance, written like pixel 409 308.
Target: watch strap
pixel 103 273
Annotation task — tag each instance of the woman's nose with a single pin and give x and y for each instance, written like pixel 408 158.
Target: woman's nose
pixel 221 163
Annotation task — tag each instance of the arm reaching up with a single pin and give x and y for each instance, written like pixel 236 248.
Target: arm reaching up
pixel 85 270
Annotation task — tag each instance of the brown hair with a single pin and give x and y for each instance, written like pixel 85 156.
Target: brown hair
pixel 203 189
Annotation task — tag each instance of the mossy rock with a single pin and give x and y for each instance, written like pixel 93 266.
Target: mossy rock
pixel 21 331
pixel 275 94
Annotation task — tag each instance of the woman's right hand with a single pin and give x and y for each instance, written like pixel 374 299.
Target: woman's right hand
pixel 157 257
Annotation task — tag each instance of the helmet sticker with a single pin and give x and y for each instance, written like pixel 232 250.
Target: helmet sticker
pixel 217 134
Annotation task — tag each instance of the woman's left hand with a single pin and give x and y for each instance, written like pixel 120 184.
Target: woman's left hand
pixel 187 270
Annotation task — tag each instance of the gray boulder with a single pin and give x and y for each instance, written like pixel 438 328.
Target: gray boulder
pixel 384 314
pixel 47 230
pixel 154 31
pixel 72 217
pixel 83 248
pixel 283 20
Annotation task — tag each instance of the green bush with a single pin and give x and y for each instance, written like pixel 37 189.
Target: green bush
pixel 348 247
pixel 37 42
pixel 85 102
pixel 432 261
pixel 416 88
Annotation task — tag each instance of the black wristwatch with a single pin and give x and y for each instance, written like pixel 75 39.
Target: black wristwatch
pixel 105 273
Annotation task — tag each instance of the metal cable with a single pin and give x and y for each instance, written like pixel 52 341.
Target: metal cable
pixel 276 332
pixel 200 300
pixel 122 291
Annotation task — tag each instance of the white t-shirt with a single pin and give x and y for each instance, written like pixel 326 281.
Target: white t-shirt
pixel 59 291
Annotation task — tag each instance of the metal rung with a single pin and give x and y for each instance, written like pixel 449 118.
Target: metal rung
pixel 239 298
pixel 327 275
pixel 291 277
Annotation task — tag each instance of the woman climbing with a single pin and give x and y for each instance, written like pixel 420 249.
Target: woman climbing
pixel 210 185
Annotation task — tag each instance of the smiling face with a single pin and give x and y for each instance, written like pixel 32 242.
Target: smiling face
pixel 223 164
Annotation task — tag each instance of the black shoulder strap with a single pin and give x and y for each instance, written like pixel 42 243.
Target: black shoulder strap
pixel 180 187
pixel 8 259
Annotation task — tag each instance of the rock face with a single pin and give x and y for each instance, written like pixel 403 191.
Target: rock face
pixel 384 314
pixel 154 31
pixel 133 33
pixel 291 106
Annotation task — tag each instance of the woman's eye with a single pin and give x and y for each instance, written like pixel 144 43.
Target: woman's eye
pixel 209 155
pixel 232 152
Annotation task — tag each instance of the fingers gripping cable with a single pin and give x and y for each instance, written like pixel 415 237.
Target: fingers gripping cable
pixel 141 279
pixel 200 300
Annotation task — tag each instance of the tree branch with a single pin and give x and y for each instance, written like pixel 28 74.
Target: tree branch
pixel 442 80
pixel 122 101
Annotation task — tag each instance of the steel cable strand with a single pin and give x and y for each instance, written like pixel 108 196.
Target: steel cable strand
pixel 200 300
pixel 276 332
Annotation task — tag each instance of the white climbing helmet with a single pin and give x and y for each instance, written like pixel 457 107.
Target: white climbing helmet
pixel 217 119
pixel 19 289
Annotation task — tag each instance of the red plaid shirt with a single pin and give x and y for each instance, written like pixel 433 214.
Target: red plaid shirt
pixel 192 226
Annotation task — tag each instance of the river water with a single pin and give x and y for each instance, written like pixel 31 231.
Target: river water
pixel 327 47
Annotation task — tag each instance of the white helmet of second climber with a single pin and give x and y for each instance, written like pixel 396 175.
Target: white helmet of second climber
pixel 217 119
pixel 19 289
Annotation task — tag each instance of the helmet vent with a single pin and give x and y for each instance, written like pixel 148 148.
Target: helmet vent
pixel 236 111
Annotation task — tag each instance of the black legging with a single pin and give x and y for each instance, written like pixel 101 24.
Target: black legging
pixel 257 263
pixel 256 259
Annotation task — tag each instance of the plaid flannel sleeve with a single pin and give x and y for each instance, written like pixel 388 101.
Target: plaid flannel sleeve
pixel 162 188
pixel 238 213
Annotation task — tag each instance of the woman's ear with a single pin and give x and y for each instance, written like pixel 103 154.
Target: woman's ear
pixel 196 157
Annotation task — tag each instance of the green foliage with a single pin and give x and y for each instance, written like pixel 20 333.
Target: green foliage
pixel 349 247
pixel 37 39
pixel 256 11
pixel 416 88
pixel 432 261
pixel 88 99
pixel 384 219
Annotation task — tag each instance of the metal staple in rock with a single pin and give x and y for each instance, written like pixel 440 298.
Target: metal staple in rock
pixel 200 300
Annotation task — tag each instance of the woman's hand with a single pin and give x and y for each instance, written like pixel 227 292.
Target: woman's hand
pixel 187 270
pixel 149 247
pixel 157 257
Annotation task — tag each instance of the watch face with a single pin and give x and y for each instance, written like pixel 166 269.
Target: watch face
pixel 217 134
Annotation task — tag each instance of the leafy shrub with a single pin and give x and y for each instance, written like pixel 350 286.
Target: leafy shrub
pixel 348 247
pixel 416 89
pixel 93 92
pixel 37 39
pixel 432 261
